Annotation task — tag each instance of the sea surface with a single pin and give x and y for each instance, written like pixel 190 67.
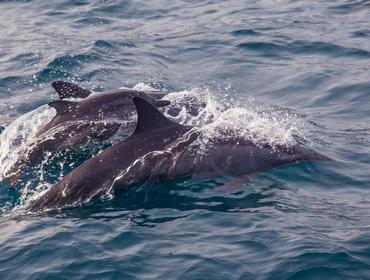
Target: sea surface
pixel 278 72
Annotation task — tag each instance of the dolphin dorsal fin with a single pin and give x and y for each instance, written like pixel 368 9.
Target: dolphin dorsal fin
pixel 69 90
pixel 63 106
pixel 149 118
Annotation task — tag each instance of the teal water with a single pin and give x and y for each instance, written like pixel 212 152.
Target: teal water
pixel 304 64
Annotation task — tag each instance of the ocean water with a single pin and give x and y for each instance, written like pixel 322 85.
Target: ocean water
pixel 274 71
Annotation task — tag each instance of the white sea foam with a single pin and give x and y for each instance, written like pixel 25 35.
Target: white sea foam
pixel 263 125
pixel 20 136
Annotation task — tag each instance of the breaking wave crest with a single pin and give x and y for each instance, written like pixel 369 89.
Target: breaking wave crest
pixel 261 124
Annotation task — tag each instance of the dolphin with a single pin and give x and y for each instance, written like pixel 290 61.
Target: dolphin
pixel 82 117
pixel 104 110
pixel 161 149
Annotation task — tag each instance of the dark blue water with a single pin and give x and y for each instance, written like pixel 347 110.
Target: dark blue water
pixel 309 60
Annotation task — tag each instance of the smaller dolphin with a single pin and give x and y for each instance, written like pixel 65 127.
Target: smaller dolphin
pixel 161 149
pixel 96 112
pixel 90 117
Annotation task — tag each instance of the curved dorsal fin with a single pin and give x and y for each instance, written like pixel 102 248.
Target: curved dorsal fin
pixel 69 90
pixel 149 118
pixel 63 106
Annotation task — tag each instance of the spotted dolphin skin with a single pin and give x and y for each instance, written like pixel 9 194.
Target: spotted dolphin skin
pixel 82 117
pixel 161 149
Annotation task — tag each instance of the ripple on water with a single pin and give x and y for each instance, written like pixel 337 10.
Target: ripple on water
pixel 70 62
pixel 113 45
pixel 310 265
pixel 93 21
pixel 365 33
pixel 303 48
pixel 354 6
pixel 245 32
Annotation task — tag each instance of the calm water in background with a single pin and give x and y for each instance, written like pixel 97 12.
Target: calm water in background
pixel 309 58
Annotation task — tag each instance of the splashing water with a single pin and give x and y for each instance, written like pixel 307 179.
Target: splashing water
pixel 260 128
pixel 197 107
pixel 20 136
pixel 258 123
pixel 261 124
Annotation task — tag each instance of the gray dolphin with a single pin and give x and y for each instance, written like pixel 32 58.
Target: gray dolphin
pixel 92 117
pixel 100 114
pixel 161 149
